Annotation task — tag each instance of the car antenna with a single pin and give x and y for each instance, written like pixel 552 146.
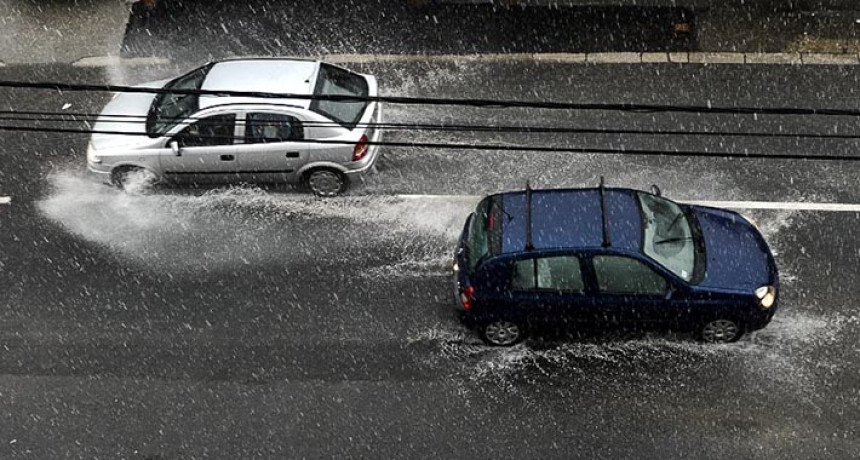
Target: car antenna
pixel 606 242
pixel 529 245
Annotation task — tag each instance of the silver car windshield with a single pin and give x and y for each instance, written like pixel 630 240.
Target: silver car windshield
pixel 170 109
pixel 334 81
pixel 668 237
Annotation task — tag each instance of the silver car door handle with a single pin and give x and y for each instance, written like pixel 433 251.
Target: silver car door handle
pixel 227 158
pixel 292 154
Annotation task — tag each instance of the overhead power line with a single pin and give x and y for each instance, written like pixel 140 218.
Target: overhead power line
pixel 505 147
pixel 470 102
pixel 71 117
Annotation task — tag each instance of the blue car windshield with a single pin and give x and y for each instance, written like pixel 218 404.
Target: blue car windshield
pixel 668 236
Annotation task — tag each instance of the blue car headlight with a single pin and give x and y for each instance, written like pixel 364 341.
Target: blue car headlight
pixel 766 296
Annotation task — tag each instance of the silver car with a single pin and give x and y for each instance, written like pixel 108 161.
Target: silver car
pixel 216 139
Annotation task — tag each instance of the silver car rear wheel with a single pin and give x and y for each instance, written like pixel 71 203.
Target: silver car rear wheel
pixel 326 182
pixel 721 331
pixel 502 333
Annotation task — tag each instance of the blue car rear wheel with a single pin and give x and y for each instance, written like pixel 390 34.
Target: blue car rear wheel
pixel 502 333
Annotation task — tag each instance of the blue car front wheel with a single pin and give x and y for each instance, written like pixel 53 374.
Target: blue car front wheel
pixel 721 331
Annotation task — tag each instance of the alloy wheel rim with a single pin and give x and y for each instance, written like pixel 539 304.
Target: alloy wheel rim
pixel 325 183
pixel 502 333
pixel 720 331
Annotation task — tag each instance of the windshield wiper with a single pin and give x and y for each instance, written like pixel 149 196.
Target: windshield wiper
pixel 674 240
pixel 677 218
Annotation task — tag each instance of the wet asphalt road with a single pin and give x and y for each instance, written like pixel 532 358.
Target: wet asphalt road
pixel 240 322
pixel 248 323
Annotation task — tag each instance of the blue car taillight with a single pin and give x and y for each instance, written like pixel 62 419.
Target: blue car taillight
pixel 467 296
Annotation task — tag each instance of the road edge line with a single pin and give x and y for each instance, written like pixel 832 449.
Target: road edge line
pixel 764 205
pixel 683 57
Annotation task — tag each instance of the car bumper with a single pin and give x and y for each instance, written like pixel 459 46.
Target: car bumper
pixel 363 166
pixel 98 173
pixel 366 163
pixel 759 322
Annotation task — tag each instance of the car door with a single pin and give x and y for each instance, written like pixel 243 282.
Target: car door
pixel 628 290
pixel 205 153
pixel 551 289
pixel 272 148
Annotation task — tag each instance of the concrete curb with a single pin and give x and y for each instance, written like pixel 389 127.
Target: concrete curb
pixel 841 59
pixel 613 58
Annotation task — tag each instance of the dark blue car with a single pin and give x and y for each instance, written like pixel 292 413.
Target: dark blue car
pixel 558 258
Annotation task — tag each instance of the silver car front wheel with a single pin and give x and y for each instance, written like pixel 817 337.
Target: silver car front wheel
pixel 721 331
pixel 326 182
pixel 134 180
pixel 502 333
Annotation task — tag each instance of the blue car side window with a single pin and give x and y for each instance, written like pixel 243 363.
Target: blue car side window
pixel 524 275
pixel 624 275
pixel 557 273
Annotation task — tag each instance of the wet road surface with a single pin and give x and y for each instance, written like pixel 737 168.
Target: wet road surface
pixel 240 322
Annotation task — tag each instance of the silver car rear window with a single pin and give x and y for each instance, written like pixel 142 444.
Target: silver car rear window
pixel 334 81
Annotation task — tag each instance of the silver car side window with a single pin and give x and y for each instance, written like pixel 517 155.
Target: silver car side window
pixel 263 128
pixel 208 132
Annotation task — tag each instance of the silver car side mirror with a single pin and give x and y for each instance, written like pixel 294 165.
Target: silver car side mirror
pixel 174 147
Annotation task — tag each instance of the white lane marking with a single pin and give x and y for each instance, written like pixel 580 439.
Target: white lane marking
pixel 5 200
pixel 770 205
pixel 781 205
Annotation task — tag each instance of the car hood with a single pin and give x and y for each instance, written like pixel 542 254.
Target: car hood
pixel 115 118
pixel 738 258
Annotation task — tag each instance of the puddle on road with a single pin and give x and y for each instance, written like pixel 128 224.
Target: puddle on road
pixel 184 231
pixel 220 229
pixel 785 353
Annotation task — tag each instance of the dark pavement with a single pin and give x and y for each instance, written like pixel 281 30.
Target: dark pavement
pixel 210 30
pixel 248 323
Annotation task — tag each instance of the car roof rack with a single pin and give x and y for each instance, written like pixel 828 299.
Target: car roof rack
pixel 603 208
pixel 529 244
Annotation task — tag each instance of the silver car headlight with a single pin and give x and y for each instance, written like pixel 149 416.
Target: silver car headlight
pixel 91 154
pixel 766 296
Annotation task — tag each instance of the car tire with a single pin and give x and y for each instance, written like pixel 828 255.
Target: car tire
pixel 325 182
pixel 133 178
pixel 721 330
pixel 502 333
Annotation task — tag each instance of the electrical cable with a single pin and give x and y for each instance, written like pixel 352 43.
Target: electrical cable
pixel 508 148
pixel 504 129
pixel 470 102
